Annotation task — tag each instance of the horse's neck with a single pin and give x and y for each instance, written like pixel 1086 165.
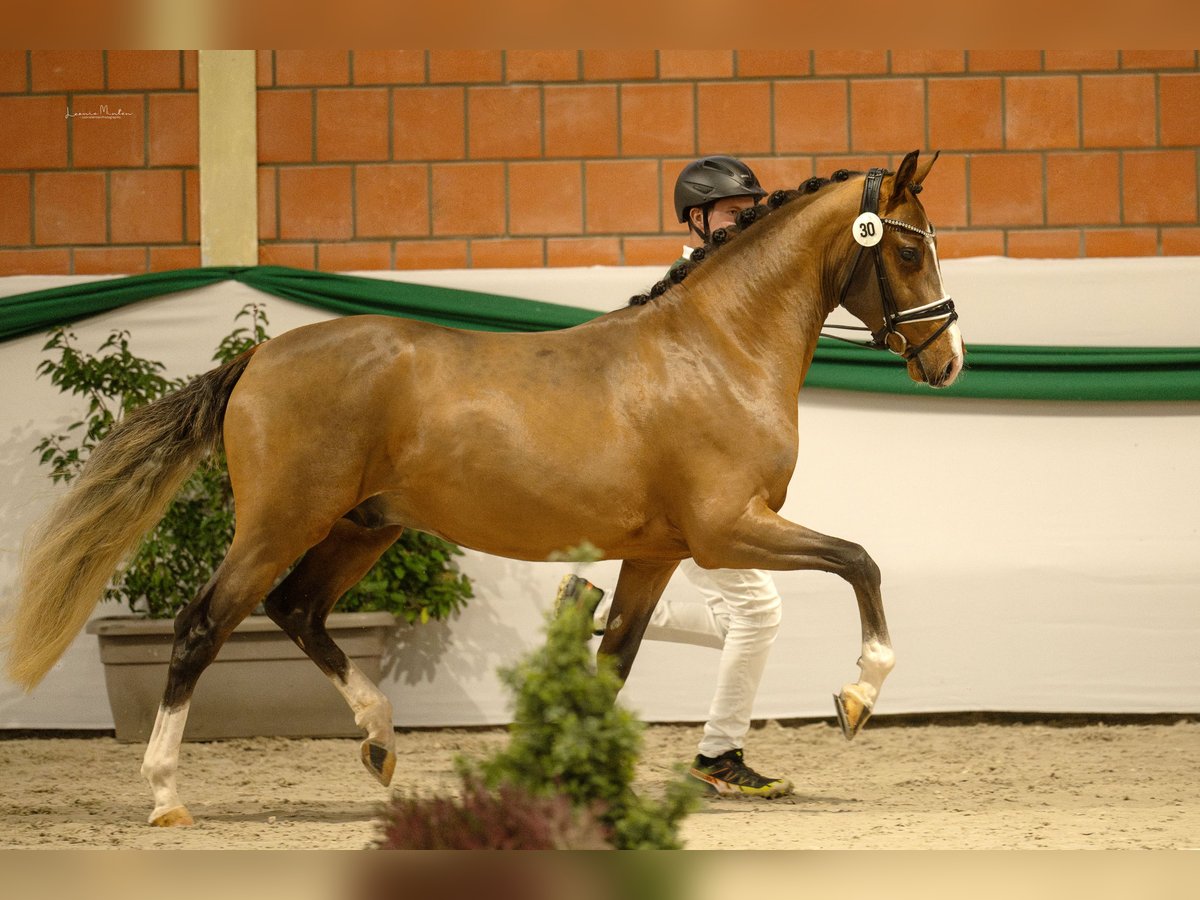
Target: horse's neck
pixel 770 297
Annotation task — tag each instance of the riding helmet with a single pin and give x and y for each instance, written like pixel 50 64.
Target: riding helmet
pixel 711 178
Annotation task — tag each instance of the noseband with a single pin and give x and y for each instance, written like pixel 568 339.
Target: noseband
pixel 889 337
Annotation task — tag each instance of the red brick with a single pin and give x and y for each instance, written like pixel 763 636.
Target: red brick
pixel 966 114
pixel 312 67
pixel 69 208
pixel 1118 111
pixel 465 66
pixel 581 121
pixel 961 244
pixel 827 165
pixel 1179 104
pixel 357 256
pixel 296 256
pixel 389 66
pixel 508 253
pixel 583 252
pixel 1159 186
pixel 541 65
pixel 174 125
pixel 1041 111
pixel 14 209
pixel 109 261
pixel 431 254
pixel 107 143
pixel 163 259
pixel 352 124
pixel 268 204
pixel 545 198
pixel 264 67
pixel 1006 189
pixel 734 117
pixel 811 117
pixel 35 262
pixel 1121 242
pixel 1004 60
pixel 695 64
pixel 285 126
pixel 191 205
pixel 777 172
pixel 945 192
pixel 67 70
pixel 33 133
pixel 315 203
pixel 652 251
pixel 468 198
pixel 619 65
pixel 1158 59
pixel 1056 243
pixel 622 196
pixel 850 62
pixel 504 122
pixel 14 71
pixel 144 70
pixel 916 62
pixel 773 63
pixel 1181 241
pixel 1080 60
pixel 146 207
pixel 429 123
pixel 191 72
pixel 658 120
pixel 887 115
pixel 1082 189
pixel 391 201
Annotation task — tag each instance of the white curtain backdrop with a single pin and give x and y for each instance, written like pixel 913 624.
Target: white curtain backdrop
pixel 1037 556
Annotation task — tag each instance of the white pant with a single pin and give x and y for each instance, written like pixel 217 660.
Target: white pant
pixel 738 612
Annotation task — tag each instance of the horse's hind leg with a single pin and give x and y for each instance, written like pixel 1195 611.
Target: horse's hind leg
pixel 299 605
pixel 243 578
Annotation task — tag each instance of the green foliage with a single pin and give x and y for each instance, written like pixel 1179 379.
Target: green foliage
pixel 416 579
pixel 569 737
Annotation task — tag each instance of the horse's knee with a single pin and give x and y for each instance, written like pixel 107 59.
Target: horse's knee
pixel 858 566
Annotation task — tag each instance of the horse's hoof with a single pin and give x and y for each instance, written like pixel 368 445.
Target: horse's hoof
pixel 176 817
pixel 379 760
pixel 853 710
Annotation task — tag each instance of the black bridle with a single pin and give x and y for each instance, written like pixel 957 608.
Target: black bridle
pixel 889 337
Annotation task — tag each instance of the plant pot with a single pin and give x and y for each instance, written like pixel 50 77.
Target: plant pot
pixel 261 684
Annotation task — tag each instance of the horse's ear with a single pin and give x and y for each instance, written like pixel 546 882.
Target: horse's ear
pixel 911 173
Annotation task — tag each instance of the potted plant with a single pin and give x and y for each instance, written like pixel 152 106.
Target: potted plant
pixel 414 581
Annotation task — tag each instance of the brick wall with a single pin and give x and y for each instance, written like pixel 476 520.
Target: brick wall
pixel 89 194
pixel 430 159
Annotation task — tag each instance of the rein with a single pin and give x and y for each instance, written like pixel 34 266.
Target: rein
pixel 888 337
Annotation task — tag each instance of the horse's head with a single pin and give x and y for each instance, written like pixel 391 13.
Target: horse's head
pixel 906 308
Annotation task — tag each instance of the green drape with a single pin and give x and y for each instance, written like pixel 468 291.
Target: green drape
pixel 996 372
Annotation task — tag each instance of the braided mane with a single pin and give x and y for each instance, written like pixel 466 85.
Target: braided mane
pixel 722 237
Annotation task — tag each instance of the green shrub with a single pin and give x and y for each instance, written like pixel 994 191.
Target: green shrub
pixel 570 737
pixel 416 579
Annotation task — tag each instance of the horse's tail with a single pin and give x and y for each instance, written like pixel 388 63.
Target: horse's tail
pixel 121 493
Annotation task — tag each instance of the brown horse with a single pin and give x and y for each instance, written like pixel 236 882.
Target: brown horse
pixel 340 435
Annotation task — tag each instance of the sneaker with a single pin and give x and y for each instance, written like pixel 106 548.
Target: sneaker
pixel 728 774
pixel 580 592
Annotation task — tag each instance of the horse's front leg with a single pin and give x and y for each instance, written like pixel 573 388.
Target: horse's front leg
pixel 639 586
pixel 762 539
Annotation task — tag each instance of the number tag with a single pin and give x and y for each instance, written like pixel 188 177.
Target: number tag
pixel 868 229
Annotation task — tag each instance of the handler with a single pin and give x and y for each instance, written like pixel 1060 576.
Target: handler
pixel 738 610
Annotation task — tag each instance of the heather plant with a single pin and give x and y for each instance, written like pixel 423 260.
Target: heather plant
pixel 416 579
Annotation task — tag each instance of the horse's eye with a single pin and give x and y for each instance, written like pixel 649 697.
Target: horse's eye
pixel 908 254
